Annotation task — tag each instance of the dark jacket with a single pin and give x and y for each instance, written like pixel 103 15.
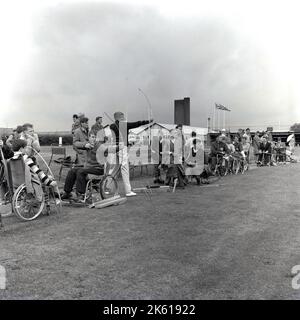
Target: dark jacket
pixel 117 128
pixel 96 127
pixel 265 147
pixel 91 160
pixel 238 146
pixel 218 146
pixel 7 152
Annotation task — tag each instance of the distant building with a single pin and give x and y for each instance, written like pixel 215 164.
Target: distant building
pixel 182 111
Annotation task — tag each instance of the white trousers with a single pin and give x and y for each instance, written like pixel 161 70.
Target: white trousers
pixel 122 161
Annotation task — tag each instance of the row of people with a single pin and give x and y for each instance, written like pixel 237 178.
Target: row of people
pixel 86 143
pixel 265 150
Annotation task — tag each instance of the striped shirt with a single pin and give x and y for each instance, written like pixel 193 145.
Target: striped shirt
pixel 34 168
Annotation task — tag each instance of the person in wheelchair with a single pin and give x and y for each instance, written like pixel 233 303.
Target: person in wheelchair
pixel 280 151
pixel 265 152
pixel 237 144
pixel 34 176
pixel 220 147
pixel 231 148
pixel 7 153
pixel 32 140
pixel 78 175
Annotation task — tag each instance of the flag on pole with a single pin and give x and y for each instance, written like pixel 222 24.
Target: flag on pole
pixel 221 107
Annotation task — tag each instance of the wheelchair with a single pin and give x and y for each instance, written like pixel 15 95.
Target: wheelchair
pixel 26 206
pixel 98 187
pixel 222 165
pixel 280 155
pixel 264 159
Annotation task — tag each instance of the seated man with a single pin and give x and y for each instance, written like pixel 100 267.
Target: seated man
pixel 264 157
pixel 218 146
pixel 280 150
pixel 78 175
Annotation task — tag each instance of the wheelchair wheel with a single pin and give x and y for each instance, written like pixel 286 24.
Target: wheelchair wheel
pixel 25 206
pixel 244 166
pixel 108 187
pixel 236 166
pixel 52 203
pixel 223 168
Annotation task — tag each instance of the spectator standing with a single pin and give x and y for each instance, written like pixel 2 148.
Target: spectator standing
pixel 248 139
pixel 80 140
pixel 97 126
pixel 189 143
pixel 256 143
pixel 157 155
pixel 76 123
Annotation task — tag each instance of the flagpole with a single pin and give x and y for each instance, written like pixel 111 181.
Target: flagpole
pixel 214 126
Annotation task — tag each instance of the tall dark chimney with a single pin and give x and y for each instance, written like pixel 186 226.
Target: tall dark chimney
pixel 182 111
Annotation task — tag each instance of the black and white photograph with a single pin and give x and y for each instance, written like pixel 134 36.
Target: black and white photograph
pixel 149 151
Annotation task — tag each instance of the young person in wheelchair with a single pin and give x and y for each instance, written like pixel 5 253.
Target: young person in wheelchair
pixel 78 175
pixel 20 148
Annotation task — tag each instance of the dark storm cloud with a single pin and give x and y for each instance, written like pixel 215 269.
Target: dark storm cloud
pixel 93 58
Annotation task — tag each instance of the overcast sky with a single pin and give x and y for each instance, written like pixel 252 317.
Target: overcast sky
pixel 63 57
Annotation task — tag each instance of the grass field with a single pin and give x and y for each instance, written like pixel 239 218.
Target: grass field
pixel 238 238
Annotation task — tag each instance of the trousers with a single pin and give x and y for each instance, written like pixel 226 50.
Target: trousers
pixel 78 176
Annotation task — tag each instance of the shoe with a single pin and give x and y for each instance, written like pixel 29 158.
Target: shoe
pixel 130 194
pixel 79 197
pixel 66 195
